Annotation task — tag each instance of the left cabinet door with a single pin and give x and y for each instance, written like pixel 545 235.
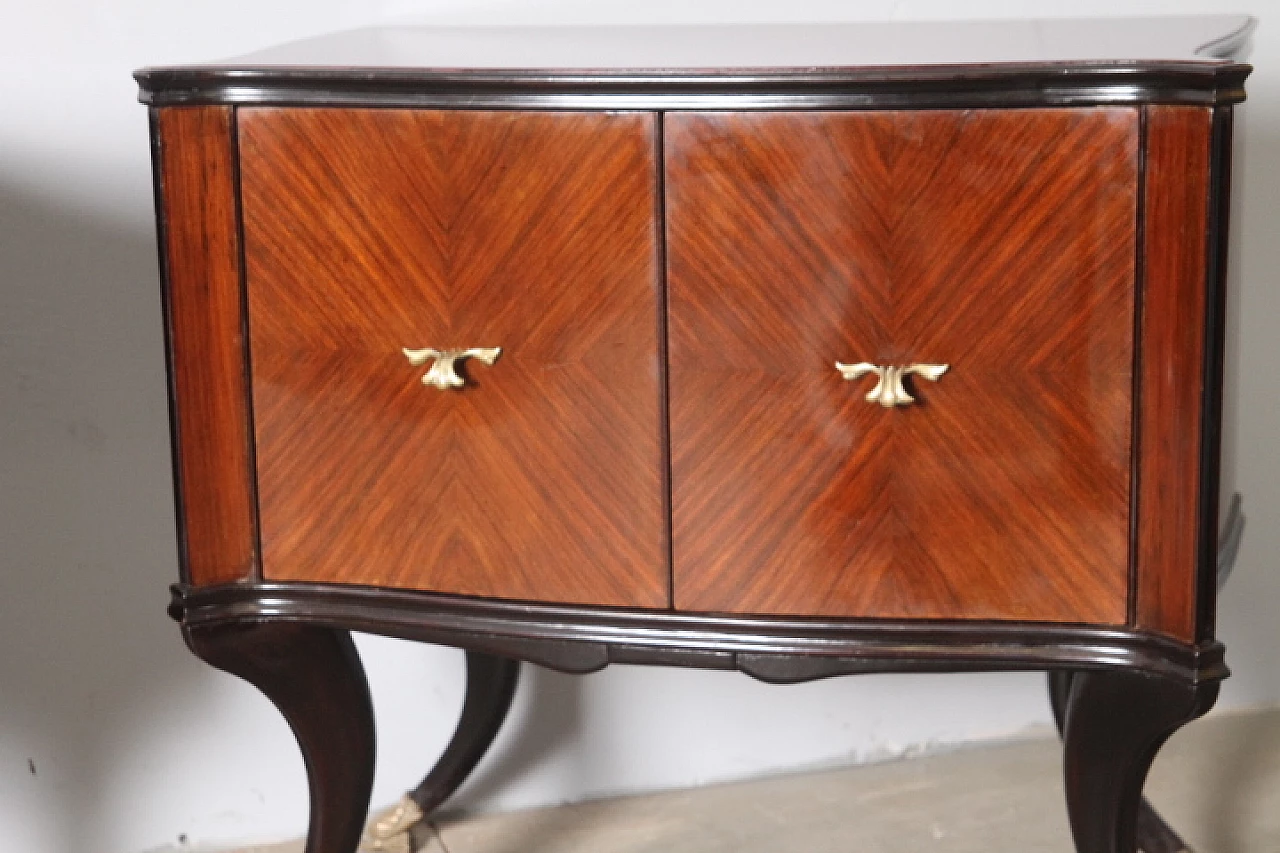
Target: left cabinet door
pixel 368 232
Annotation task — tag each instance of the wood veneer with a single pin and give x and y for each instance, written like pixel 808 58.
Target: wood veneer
pixel 371 230
pixel 999 242
pixel 1168 526
pixel 196 165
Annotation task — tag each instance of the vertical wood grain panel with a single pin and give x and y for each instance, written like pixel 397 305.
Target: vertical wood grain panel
pixel 1172 361
pixel 207 351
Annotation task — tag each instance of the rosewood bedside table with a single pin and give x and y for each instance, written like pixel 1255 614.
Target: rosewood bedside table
pixel 801 351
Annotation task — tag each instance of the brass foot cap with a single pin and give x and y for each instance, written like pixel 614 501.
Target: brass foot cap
pixel 390 830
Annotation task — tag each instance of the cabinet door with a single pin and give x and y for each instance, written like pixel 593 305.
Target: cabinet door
pixel 999 243
pixel 369 232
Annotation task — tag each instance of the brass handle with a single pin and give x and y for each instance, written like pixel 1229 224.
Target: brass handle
pixel 889 391
pixel 443 373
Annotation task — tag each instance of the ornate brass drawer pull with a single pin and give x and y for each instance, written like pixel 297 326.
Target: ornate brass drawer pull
pixel 443 373
pixel 889 391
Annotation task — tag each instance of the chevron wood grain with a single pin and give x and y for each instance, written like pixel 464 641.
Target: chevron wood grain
pixel 368 231
pixel 1000 242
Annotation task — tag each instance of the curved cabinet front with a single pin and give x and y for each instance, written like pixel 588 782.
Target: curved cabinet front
pixel 899 356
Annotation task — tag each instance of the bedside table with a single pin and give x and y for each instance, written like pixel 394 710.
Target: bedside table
pixel 801 351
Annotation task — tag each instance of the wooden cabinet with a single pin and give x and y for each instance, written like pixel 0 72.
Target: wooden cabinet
pixel 835 361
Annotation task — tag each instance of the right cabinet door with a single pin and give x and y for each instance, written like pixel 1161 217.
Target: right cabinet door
pixel 997 243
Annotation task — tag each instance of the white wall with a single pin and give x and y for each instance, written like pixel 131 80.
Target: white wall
pixel 114 739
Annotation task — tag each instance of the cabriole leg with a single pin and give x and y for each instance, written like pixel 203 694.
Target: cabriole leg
pixel 491 685
pixel 1153 834
pixel 314 676
pixel 1115 722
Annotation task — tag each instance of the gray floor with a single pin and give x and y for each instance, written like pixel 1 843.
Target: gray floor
pixel 1218 783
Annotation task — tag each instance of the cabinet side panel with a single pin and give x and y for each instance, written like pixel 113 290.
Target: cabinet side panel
pixel 1219 543
pixel 1172 359
pixel 207 357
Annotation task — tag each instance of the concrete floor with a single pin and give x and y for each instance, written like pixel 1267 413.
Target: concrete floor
pixel 1217 782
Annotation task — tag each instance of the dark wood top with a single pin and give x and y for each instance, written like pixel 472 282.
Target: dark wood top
pixel 1063 61
pixel 768 46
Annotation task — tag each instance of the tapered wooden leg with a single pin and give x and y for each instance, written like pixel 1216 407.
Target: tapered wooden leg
pixel 1115 722
pixel 314 676
pixel 491 685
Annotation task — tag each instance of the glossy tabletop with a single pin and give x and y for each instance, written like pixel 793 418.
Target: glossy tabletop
pixel 1206 39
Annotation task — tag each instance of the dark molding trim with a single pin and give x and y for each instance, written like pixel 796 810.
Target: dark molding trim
pixel 251 428
pixel 1135 386
pixel 162 242
pixel 1218 211
pixel 914 87
pixel 581 640
pixel 661 240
